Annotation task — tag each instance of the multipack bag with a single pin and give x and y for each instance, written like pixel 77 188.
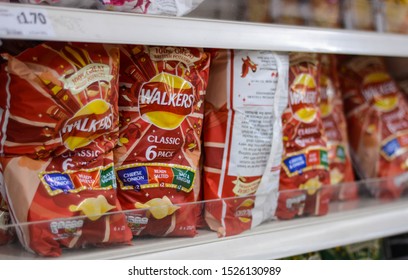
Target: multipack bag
pixel 377 118
pixel 59 119
pixel 305 164
pixel 335 127
pixel 247 93
pixel 161 117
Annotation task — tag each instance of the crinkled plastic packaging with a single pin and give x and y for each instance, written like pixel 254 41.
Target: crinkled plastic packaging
pixel 305 164
pixel 335 126
pixel 377 118
pixel 161 117
pixel 58 128
pixel 246 96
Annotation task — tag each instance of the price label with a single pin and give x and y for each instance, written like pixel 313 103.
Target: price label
pixel 16 22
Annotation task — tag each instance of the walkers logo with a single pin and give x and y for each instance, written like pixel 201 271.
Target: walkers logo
pixel 381 90
pixel 304 98
pixel 90 122
pixel 166 100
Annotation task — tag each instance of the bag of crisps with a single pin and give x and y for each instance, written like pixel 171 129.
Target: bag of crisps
pixel 359 14
pixel 393 16
pixel 246 96
pixel 324 13
pixel 305 166
pixel 335 126
pixel 161 105
pixel 59 119
pixel 288 12
pixel 377 118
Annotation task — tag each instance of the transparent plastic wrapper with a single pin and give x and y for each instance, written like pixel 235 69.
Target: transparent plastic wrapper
pixel 324 13
pixel 291 12
pixel 59 126
pixel 335 126
pixel 377 117
pixel 393 16
pixel 359 14
pixel 6 232
pixel 161 117
pixel 305 164
pixel 247 93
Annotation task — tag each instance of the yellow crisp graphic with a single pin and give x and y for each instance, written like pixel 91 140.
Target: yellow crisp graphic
pixel 247 203
pixel 158 207
pixel 311 185
pixel 336 176
pixel 93 207
pixel 325 109
pixel 306 115
pixel 386 104
pixel 305 80
pixel 244 220
pixel 376 77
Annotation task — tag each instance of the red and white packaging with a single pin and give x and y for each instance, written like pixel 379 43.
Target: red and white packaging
pixel 59 119
pixel 246 95
pixel 377 117
pixel 161 105
pixel 335 126
pixel 305 164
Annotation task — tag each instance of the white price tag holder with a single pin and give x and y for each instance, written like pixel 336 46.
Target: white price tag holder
pixel 16 22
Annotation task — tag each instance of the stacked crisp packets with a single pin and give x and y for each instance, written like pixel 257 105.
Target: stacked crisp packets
pixel 59 120
pixel 377 117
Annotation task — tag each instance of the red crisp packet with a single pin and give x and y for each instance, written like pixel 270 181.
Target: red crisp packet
pixel 305 165
pixel 335 126
pixel 377 117
pixel 247 94
pixel 161 113
pixel 59 126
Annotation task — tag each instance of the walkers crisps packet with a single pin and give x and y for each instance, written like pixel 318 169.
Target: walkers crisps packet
pixel 305 166
pixel 59 119
pixel 377 117
pixel 335 126
pixel 161 105
pixel 246 96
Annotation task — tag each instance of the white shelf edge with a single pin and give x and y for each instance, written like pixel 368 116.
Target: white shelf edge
pixel 113 27
pixel 372 219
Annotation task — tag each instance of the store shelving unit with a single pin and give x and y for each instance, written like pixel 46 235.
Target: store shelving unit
pixel 347 223
pixel 112 27
pixel 370 219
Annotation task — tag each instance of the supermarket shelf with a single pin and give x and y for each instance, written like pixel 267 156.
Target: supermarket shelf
pixel 347 223
pixel 111 27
